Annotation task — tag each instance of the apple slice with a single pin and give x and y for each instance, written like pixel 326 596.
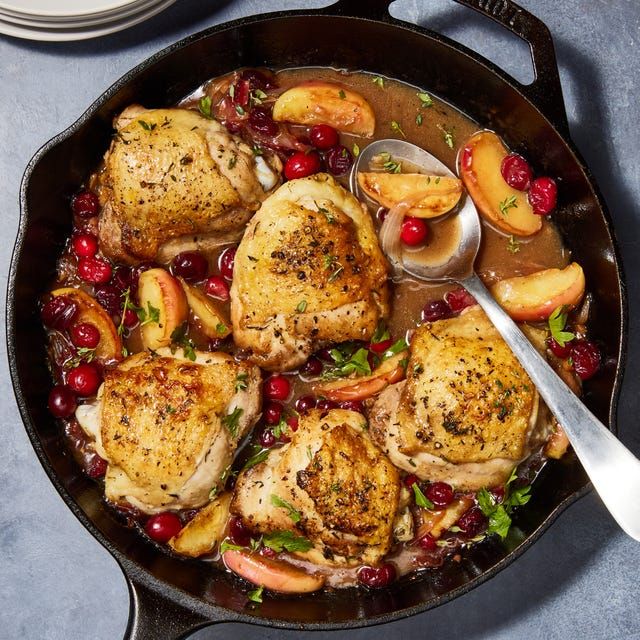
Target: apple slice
pixel 557 444
pixel 275 575
pixel 429 196
pixel 437 522
pixel 158 288
pixel 201 535
pixel 109 348
pixel 390 371
pixel 534 297
pixel 317 102
pixel 505 207
pixel 206 316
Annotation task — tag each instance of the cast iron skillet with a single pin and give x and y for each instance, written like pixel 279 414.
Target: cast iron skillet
pixel 170 597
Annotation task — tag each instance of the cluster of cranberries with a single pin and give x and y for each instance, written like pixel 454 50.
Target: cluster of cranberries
pixel 583 355
pixel 337 158
pixel 542 192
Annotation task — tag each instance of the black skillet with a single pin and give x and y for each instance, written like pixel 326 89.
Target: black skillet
pixel 170 597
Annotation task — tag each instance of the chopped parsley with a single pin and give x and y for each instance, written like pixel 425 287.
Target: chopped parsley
pixel 232 421
pixel 396 128
pixel 381 333
pixel 293 513
pixel 327 214
pixel 239 110
pixel 425 100
pixel 179 337
pixel 204 106
pixel 348 360
pixel 225 545
pixel 506 204
pixel 379 81
pixel 256 594
pixel 257 151
pixel 241 382
pixel 257 96
pixel 146 126
pixel 302 306
pixel 259 455
pixel 396 347
pixel 419 119
pixel 355 150
pixel 286 541
pixel 342 94
pixel 557 323
pixel 221 327
pixel 421 499
pixel 232 161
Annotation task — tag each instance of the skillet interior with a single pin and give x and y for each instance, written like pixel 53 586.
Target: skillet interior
pixel 298 40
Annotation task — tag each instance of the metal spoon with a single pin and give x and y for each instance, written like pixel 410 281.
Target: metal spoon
pixel 614 471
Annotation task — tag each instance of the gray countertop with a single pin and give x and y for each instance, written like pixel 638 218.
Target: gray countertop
pixel 580 580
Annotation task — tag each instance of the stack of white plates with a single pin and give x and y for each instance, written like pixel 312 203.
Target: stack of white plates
pixel 60 20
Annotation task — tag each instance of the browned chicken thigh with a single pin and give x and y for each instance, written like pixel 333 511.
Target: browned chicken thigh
pixel 308 272
pixel 330 484
pixel 171 173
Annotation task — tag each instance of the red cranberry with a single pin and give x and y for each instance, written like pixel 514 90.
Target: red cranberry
pixel 427 542
pixel 84 379
pixel 339 160
pixel 272 412
pixel 410 480
pixel 85 335
pixel 267 552
pixel 241 93
pixel 498 494
pixel 305 404
pixel 376 577
pixel 558 350
pixel 163 526
pixel 85 204
pixel 62 401
pixel 276 387
pixel 323 136
pixel 84 245
pixel 226 261
pixel 109 297
pixel 380 347
pixel 293 423
pixel 130 318
pixel 352 405
pixel 94 270
pixel 435 310
pixel 586 358
pixel 440 493
pixel 472 522
pixel 267 438
pixel 190 265
pixel 325 354
pixel 258 79
pixel 122 278
pixel 414 231
pixel 543 195
pixel 324 404
pixel 516 172
pixel 59 312
pixel 96 467
pixel 260 120
pixel 459 299
pixel 238 533
pixel 312 367
pixel 301 165
pixel 216 287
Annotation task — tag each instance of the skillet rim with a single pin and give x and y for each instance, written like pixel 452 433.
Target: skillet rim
pixel 136 575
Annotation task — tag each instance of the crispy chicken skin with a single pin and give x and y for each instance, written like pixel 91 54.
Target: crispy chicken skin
pixel 308 272
pixel 467 412
pixel 159 421
pixel 171 173
pixel 344 488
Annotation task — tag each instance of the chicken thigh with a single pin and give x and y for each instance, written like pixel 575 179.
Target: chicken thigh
pixel 467 412
pixel 168 427
pixel 308 272
pixel 330 484
pixel 171 173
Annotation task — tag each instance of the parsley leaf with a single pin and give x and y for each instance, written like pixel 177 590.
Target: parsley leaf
pixel 239 110
pixel 381 333
pixel 557 322
pixel 241 382
pixel 378 80
pixel 204 106
pixel 421 499
pixel 179 337
pixel 256 594
pixel 348 361
pixel 355 150
pixel 302 306
pixel 232 421
pixel 342 94
pixel 259 456
pixel 293 513
pixel 150 315
pixel 396 347
pixel 286 541
pixel 425 100
pixel 228 546
pixel 146 126
pixel 419 119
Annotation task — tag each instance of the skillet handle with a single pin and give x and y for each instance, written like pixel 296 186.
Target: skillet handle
pixel 153 616
pixel 545 91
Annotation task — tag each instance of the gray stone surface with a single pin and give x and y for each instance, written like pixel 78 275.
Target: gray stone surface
pixel 580 580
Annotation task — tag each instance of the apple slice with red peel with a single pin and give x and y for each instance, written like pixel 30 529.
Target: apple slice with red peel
pixel 317 102
pixel 534 297
pixel 109 348
pixel 390 371
pixel 206 315
pixel 437 522
pixel 275 575
pixel 429 196
pixel 503 206
pixel 159 289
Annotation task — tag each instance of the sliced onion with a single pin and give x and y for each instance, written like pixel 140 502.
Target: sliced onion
pixel 390 234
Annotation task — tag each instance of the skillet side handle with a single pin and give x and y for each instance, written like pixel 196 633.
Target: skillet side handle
pixel 153 616
pixel 545 91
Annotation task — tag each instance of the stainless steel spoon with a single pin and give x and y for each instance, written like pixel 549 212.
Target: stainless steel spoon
pixel 612 468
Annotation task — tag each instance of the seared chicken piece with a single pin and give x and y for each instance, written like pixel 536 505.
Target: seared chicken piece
pixel 308 272
pixel 343 488
pixel 467 412
pixel 168 427
pixel 171 173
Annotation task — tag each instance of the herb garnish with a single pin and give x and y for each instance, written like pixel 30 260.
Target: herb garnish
pixel 257 151
pixel 259 455
pixel 447 136
pixel 381 333
pixel 425 100
pixel 146 126
pixel 286 541
pixel 239 110
pixel 179 337
pixel 421 499
pixel 232 161
pixel 506 204
pixel 355 150
pixel 302 306
pixel 232 421
pixel 256 594
pixel 257 96
pixel 513 246
pixel 241 382
pixel 225 545
pixel 293 513
pixel 379 80
pixel 348 360
pixel 557 322
pixel 342 94
pixel 389 164
pixel 83 354
pixel 396 128
pixel 204 106
pixel 327 214
pixel 396 347
pixel 419 119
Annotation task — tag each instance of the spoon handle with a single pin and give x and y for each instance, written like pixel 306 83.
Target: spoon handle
pixel 612 468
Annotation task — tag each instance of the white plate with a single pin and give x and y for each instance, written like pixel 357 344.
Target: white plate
pixel 79 23
pixel 111 14
pixel 71 8
pixel 66 35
